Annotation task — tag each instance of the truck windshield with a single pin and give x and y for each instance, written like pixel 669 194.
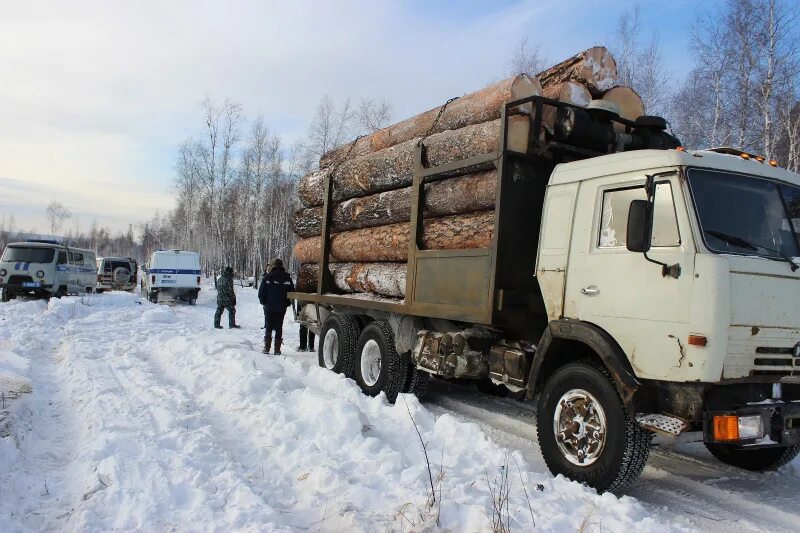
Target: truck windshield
pixel 747 215
pixel 24 254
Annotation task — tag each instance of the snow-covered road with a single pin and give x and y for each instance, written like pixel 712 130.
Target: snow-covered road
pixel 142 417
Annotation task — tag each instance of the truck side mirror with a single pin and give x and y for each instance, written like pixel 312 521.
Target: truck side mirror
pixel 638 231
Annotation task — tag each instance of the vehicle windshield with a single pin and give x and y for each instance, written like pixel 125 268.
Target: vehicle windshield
pixel 27 254
pixel 747 215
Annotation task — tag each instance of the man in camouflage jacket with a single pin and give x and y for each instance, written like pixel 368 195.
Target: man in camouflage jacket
pixel 226 299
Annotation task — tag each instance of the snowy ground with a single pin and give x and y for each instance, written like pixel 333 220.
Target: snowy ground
pixel 142 417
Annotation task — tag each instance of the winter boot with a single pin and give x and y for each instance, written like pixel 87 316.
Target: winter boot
pixel 235 326
pixel 267 344
pixel 217 326
pixel 278 342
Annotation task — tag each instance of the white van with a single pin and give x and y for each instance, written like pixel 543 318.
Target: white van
pixel 174 273
pixel 46 268
pixel 116 274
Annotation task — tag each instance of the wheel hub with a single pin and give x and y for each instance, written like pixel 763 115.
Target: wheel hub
pixel 579 424
pixel 330 348
pixel 371 362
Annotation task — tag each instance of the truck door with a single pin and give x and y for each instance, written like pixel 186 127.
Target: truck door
pixel 619 290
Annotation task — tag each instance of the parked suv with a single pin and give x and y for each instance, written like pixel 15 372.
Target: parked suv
pixel 45 268
pixel 116 274
pixel 174 273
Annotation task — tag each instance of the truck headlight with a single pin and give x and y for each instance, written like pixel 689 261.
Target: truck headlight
pixel 3 272
pixel 40 274
pixel 751 427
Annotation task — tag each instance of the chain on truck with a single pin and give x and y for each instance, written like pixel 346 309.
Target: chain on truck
pixel 632 286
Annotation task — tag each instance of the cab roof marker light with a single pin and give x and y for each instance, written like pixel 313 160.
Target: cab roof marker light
pixel 773 163
pixel 744 155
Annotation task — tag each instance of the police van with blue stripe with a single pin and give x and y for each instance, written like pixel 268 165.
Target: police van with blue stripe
pixel 46 268
pixel 172 273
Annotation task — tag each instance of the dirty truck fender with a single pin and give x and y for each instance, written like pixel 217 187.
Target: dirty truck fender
pixel 565 341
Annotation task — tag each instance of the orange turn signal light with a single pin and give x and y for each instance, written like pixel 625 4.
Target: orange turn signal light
pixel 698 340
pixel 680 149
pixel 761 158
pixel 726 427
pixel 773 163
pixel 744 155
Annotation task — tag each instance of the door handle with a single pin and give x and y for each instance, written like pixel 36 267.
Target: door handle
pixel 591 290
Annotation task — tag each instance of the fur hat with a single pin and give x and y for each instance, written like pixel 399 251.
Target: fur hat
pixel 276 263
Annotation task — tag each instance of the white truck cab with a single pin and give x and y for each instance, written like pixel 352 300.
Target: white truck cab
pixel 45 268
pixel 173 273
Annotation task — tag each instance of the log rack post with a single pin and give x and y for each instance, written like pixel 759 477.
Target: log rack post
pixel 325 282
pixel 415 223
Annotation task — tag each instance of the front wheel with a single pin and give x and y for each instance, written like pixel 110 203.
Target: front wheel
pixel 757 460
pixel 585 432
pixel 378 365
pixel 61 292
pixel 7 296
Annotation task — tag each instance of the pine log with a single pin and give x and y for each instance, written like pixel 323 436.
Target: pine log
pixel 571 92
pixel 594 68
pixel 393 168
pixel 382 279
pixel 481 106
pixel 463 194
pixel 390 242
pixel 630 104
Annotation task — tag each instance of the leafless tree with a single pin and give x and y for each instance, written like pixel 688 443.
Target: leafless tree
pixel 641 65
pixel 527 58
pixel 56 215
pixel 332 126
pixel 372 115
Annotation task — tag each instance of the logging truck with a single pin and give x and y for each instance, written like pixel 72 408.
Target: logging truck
pixel 630 285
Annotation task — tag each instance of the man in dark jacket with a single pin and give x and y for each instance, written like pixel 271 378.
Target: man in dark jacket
pixel 275 286
pixel 226 299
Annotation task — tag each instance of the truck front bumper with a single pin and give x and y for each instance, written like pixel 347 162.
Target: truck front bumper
pixel 777 421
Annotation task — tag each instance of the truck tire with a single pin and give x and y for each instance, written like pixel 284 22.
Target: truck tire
pixel 337 344
pixel 153 297
pixel 378 365
pixel 6 295
pixel 61 292
pixel 757 460
pixel 608 459
pixel 416 382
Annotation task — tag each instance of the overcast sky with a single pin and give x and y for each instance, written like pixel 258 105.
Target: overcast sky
pixel 96 96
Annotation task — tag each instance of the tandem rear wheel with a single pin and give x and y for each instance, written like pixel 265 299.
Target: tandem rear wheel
pixel 584 430
pixel 367 354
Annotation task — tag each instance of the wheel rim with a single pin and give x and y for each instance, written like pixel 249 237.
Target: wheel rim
pixel 579 424
pixel 330 348
pixel 371 362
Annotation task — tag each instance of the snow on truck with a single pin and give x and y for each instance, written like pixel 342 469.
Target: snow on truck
pixel 632 286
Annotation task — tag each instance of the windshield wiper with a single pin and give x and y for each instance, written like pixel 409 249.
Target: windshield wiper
pixel 742 243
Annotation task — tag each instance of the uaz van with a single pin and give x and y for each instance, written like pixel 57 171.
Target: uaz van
pixel 45 268
pixel 174 273
pixel 116 274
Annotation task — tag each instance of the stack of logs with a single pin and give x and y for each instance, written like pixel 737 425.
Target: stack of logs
pixel 372 177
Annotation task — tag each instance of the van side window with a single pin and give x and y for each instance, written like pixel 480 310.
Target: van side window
pixel 614 218
pixel 76 258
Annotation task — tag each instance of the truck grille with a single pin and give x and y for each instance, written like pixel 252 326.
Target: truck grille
pixel 761 352
pixel 776 365
pixel 18 280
